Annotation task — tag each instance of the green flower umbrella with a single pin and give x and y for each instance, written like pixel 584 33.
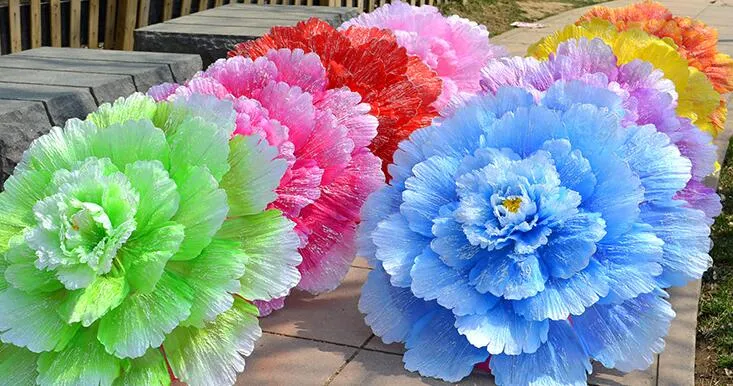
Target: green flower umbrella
pixel 131 244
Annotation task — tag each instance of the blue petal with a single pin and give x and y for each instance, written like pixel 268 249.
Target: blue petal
pixel 433 280
pixel 408 154
pixel 563 297
pixel 617 196
pixel 574 169
pixel 458 135
pixel 572 244
pixel 565 94
pixel 686 241
pixel 378 206
pixel 397 248
pixel 390 311
pixel 435 349
pixel 596 132
pixel 632 263
pixel 451 244
pixel 432 186
pixel 501 330
pixel 625 336
pixel 659 164
pixel 510 276
pixel 560 361
pixel 524 130
pixel 506 99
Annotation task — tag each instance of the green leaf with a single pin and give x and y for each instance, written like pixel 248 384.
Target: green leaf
pixel 149 369
pixel 212 356
pixel 271 246
pixel 202 210
pixel 199 143
pixel 143 320
pixel 135 107
pixel 82 362
pixel 130 141
pixel 254 175
pixel 30 320
pixel 214 276
pixel 91 303
pixel 145 256
pixel 158 194
pixel 22 273
pixel 17 366
pixel 60 148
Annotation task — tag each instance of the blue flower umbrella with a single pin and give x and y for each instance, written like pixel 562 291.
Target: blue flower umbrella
pixel 536 234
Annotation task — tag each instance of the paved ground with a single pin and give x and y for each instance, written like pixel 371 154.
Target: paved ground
pixel 213 32
pixel 323 340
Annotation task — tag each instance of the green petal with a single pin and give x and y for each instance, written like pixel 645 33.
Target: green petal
pixel 143 320
pixel 271 246
pixel 170 115
pixel 199 143
pixel 149 369
pixel 145 256
pixel 130 141
pixel 22 273
pixel 254 175
pixel 212 356
pixel 22 191
pixel 82 362
pixel 30 320
pixel 17 366
pixel 3 268
pixel 158 195
pixel 60 148
pixel 135 107
pixel 91 303
pixel 76 276
pixel 214 276
pixel 202 210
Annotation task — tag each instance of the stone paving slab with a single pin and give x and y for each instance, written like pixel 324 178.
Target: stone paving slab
pixel 143 75
pixel 375 363
pixel 46 86
pixel 182 67
pixel 213 32
pixel 20 123
pixel 103 87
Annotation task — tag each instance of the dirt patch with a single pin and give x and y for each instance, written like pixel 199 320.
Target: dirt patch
pixel 707 373
pixel 536 10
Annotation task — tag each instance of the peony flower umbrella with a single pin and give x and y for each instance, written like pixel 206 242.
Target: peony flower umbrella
pixel 535 232
pixel 400 88
pixel 454 47
pixel 694 40
pixel 126 256
pixel 322 133
pixel 697 101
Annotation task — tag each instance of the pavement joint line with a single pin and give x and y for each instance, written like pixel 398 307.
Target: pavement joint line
pixel 348 360
pixel 311 339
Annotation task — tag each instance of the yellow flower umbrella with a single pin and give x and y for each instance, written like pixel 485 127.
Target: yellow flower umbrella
pixel 698 100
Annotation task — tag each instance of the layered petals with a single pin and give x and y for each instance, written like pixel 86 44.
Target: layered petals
pixel 134 234
pixel 321 133
pixel 400 88
pixel 454 47
pixel 537 227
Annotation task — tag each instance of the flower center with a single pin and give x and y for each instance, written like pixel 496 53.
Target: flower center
pixel 512 204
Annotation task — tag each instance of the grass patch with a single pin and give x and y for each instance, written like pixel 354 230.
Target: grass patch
pixel 497 15
pixel 715 320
